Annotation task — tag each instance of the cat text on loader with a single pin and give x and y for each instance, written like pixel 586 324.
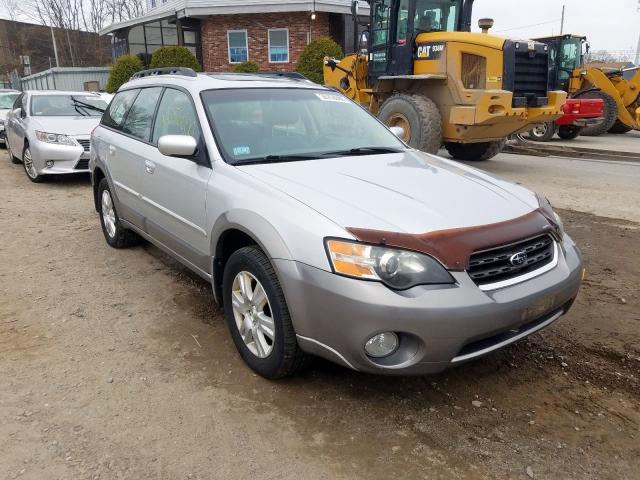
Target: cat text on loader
pixel 619 88
pixel 426 72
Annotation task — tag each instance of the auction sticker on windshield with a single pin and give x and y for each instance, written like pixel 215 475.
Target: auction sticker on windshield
pixel 332 97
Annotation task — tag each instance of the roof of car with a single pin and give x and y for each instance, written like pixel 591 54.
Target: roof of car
pixel 8 90
pixel 221 80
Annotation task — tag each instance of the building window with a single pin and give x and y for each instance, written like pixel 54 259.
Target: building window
pixel 153 3
pixel 238 49
pixel 279 45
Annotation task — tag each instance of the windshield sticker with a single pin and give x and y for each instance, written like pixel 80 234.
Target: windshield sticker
pixel 241 150
pixel 332 97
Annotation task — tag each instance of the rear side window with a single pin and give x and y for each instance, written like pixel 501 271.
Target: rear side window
pixel 176 116
pixel 118 108
pixel 140 117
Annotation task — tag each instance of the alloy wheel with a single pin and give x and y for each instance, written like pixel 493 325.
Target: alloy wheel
pixel 108 214
pixel 28 164
pixel 253 315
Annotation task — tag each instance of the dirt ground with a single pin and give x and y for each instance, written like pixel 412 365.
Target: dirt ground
pixel 118 365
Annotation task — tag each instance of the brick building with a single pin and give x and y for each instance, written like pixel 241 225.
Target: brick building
pixel 224 33
pixel 75 48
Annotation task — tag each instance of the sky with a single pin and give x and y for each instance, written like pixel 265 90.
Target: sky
pixel 609 24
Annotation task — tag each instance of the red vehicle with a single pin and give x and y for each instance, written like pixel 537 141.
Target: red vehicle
pixel 578 113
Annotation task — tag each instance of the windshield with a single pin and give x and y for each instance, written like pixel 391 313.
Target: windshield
pixel 7 99
pixel 278 124
pixel 436 16
pixel 67 105
pixel 570 57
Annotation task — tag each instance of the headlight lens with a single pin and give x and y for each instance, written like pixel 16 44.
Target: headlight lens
pixel 560 223
pixel 396 268
pixel 54 138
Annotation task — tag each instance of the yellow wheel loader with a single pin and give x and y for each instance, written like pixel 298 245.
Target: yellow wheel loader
pixel 423 70
pixel 618 88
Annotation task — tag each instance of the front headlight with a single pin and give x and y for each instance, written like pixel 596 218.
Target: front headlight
pixel 560 223
pixel 56 138
pixel 396 268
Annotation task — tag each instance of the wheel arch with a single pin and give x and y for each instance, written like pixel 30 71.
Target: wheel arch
pixel 96 177
pixel 237 229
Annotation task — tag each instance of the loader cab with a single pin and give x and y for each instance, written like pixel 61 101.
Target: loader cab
pixel 394 25
pixel 566 54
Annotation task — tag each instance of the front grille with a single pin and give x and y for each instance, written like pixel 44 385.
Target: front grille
pixel 86 144
pixel 495 265
pixel 526 73
pixel 531 76
pixel 83 164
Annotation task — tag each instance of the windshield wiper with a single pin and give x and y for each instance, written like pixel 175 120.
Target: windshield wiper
pixel 86 105
pixel 277 158
pixel 362 151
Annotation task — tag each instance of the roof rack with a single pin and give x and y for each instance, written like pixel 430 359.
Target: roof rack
pixel 289 75
pixel 293 75
pixel 184 71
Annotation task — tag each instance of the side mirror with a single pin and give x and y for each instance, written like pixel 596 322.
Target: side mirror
pixel 398 132
pixel 20 112
pixel 177 145
pixel 364 42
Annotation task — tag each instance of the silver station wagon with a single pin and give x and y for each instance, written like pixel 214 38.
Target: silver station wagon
pixel 320 231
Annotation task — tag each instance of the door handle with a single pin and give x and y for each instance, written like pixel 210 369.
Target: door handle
pixel 150 167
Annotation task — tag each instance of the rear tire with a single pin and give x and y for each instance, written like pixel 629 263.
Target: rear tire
pixel 474 152
pixel 543 132
pixel 114 233
pixel 261 330
pixel 610 113
pixel 420 118
pixel 619 128
pixel 12 157
pixel 569 132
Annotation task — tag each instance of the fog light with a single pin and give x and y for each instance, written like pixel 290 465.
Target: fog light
pixel 382 344
pixel 49 163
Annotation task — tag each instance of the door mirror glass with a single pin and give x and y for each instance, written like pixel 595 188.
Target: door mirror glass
pixel 397 131
pixel 363 47
pixel 177 145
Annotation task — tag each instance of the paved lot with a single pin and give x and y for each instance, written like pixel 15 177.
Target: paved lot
pixel 117 364
pixel 629 142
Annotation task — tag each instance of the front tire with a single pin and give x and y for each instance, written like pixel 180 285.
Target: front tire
pixel 418 116
pixel 610 113
pixel 114 233
pixel 569 132
pixel 29 167
pixel 619 128
pixel 257 315
pixel 474 152
pixel 543 132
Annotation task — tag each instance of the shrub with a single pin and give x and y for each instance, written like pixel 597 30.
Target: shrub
pixel 174 57
pixel 311 60
pixel 247 67
pixel 121 72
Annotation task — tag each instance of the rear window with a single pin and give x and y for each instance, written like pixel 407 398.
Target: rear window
pixel 67 105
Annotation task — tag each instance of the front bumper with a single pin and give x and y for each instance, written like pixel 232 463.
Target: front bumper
pixel 66 158
pixel 438 326
pixel 492 116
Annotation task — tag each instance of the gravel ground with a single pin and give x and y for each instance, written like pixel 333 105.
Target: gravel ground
pixel 118 365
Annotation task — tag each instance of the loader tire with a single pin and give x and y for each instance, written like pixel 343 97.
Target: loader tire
pixel 420 118
pixel 610 113
pixel 619 128
pixel 474 152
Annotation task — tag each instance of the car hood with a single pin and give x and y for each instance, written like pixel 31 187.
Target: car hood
pixel 66 125
pixel 409 192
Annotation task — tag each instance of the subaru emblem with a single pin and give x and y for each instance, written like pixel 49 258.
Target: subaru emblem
pixel 518 259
